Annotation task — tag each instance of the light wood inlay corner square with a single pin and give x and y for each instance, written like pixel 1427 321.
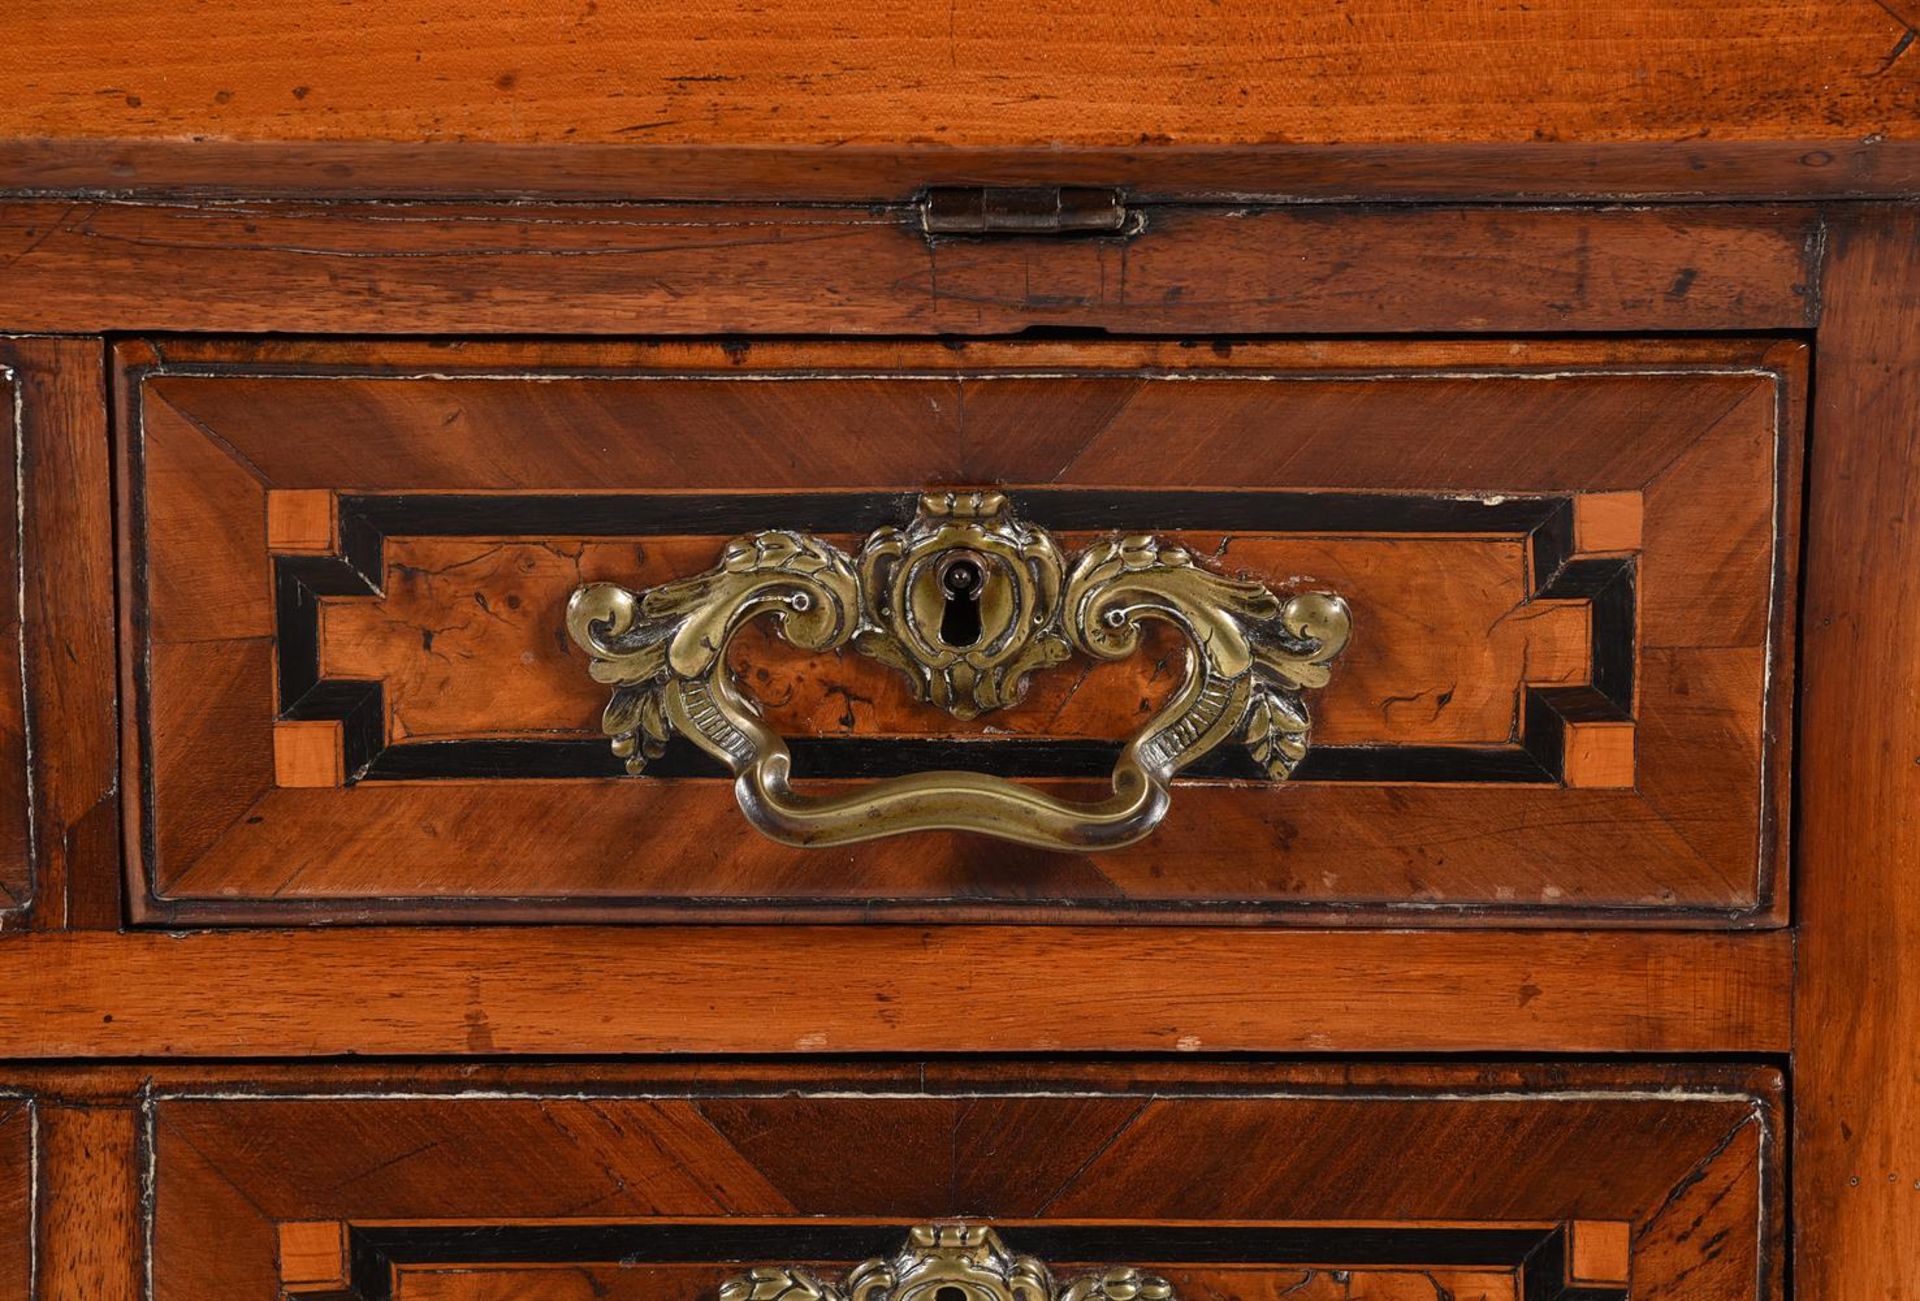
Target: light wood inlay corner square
pixel 1607 522
pixel 313 1256
pixel 1599 756
pixel 302 521
pixel 308 752
pixel 1601 1252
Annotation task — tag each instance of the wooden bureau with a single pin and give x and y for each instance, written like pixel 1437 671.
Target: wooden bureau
pixel 971 654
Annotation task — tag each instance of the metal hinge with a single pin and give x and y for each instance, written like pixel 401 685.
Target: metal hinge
pixel 1025 210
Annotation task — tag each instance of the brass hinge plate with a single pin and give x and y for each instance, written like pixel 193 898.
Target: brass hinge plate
pixel 1025 210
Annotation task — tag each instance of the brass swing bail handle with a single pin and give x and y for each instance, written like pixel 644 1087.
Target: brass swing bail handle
pixel 967 601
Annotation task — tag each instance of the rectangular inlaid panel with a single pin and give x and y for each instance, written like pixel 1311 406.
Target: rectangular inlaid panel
pixel 1569 567
pixel 1239 1182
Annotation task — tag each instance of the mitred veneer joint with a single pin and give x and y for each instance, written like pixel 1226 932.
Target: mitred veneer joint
pixel 1025 210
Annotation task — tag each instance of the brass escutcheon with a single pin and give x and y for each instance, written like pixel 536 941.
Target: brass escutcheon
pixel 946 1262
pixel 967 601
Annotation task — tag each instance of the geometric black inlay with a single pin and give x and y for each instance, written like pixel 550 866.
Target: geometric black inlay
pixel 1537 756
pixel 1541 1253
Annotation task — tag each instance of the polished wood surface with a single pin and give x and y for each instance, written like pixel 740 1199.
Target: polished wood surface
pixel 1688 452
pixel 1537 171
pixel 649 1283
pixel 16 818
pixel 1687 1157
pixel 1461 175
pixel 581 990
pixel 984 72
pixel 88 1158
pixel 1857 1158
pixel 17 1199
pixel 63 751
pixel 650 270
pixel 462 642
pixel 241 1176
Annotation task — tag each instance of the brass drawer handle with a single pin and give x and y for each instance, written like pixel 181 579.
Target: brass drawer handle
pixel 946 1262
pixel 967 601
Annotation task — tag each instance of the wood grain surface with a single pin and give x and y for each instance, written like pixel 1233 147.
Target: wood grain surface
pixel 70 641
pixel 1680 819
pixel 1253 143
pixel 570 990
pixel 975 72
pixel 591 1282
pixel 1661 171
pixel 1685 1157
pixel 648 270
pixel 1452 617
pixel 59 814
pixel 1858 1118
pixel 244 1177
pixel 17 1200
pixel 89 1158
pixel 16 817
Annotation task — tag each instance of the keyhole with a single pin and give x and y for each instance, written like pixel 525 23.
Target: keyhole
pixel 960 628
pixel 949 1293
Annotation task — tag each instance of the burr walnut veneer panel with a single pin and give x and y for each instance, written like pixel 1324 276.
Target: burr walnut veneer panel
pixel 1569 566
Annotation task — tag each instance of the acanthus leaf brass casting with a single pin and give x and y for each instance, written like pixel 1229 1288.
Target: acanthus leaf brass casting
pixel 946 1262
pixel 967 601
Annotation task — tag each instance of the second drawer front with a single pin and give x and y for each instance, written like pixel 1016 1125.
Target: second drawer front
pixel 1567 568
pixel 1253 1183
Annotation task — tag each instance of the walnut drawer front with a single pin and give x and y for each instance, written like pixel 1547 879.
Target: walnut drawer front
pixel 347 568
pixel 1248 1182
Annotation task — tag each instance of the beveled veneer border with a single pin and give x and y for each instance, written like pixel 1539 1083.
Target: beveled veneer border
pixel 1540 1256
pixel 1539 755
